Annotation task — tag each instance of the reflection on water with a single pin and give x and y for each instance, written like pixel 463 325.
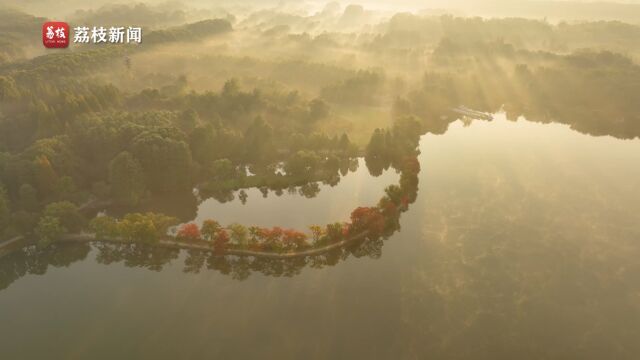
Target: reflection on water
pixel 530 236
pixel 294 209
pixel 523 243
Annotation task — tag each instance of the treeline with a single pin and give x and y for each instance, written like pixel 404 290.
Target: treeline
pixel 138 14
pixel 592 91
pixel 62 65
pixel 138 232
pixel 390 147
pixel 405 31
pixel 66 137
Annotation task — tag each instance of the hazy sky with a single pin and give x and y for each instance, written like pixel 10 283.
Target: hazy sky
pixel 625 10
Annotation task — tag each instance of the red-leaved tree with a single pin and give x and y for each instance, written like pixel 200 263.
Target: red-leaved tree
pixel 367 218
pixel 189 232
pixel 221 241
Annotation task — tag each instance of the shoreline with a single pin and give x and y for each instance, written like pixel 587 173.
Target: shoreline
pixel 204 246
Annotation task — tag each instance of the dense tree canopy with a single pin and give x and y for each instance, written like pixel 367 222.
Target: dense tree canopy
pixel 127 178
pixel 123 125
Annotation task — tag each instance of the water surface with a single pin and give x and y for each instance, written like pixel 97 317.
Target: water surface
pixel 292 209
pixel 524 243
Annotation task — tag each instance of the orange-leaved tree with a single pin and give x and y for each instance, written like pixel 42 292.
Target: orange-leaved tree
pixel 189 232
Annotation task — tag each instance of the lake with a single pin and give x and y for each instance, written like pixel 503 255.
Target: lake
pixel 294 210
pixel 523 243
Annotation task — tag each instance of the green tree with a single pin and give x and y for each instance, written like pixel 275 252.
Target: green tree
pixel 137 227
pixel 231 87
pixel 317 232
pixel 302 163
pixel 28 197
pixel 210 229
pixel 49 229
pixel 202 142
pixel 377 145
pixel 188 120
pixel 318 109
pixel 8 89
pixel 395 194
pixel 67 214
pixel 126 178
pixel 239 234
pixel 345 143
pixel 45 175
pixel 222 169
pixel 260 135
pixel 105 227
pixel 165 159
pixel 65 188
pixel 147 227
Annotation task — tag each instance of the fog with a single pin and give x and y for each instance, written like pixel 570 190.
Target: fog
pixel 476 162
pixel 540 9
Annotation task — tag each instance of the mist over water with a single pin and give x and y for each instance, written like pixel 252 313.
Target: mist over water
pixel 522 234
pixel 308 179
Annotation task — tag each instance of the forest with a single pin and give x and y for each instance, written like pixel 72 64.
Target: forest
pixel 275 101
pixel 320 179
